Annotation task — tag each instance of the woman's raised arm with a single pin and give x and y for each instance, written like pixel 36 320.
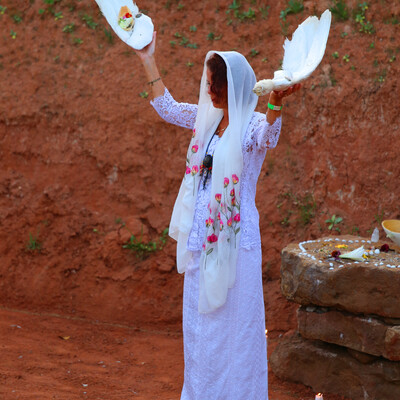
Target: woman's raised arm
pixel 149 63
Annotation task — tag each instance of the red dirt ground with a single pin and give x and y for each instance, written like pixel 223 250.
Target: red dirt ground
pixel 84 158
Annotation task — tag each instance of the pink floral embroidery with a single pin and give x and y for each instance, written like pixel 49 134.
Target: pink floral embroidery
pixel 187 170
pixel 195 170
pixel 235 179
pixel 219 216
pixel 195 148
pixel 232 193
pixel 233 202
pixel 226 182
pixel 229 222
pixel 221 225
pixel 218 197
pixel 209 221
pixel 212 238
pixel 237 217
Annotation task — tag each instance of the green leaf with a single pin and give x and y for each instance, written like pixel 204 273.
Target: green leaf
pixel 210 251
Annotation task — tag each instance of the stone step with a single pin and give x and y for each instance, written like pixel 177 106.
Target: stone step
pixel 361 333
pixel 308 277
pixel 329 368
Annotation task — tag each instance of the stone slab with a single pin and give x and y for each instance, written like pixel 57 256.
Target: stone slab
pixel 308 277
pixel 328 368
pixel 362 333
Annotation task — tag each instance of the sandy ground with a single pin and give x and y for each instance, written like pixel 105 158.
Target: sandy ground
pixel 49 356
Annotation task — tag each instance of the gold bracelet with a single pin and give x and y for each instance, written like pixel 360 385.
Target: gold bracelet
pixel 155 80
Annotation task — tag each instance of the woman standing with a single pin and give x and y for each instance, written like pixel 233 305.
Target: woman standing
pixel 216 225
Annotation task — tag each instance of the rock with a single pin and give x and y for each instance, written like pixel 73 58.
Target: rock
pixel 356 287
pixel 365 334
pixel 364 358
pixel 392 343
pixel 329 368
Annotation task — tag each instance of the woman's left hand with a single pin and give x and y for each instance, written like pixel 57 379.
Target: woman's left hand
pixel 284 93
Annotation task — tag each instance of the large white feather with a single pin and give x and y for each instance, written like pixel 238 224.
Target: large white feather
pixel 302 54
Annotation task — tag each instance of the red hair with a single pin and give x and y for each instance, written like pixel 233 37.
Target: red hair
pixel 217 67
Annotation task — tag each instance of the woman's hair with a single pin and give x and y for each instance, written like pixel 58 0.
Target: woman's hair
pixel 217 67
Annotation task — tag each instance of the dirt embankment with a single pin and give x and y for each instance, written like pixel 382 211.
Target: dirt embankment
pixel 84 156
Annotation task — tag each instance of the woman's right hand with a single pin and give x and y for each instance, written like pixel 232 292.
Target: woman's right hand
pixel 148 51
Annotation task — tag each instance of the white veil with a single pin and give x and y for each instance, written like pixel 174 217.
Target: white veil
pixel 219 255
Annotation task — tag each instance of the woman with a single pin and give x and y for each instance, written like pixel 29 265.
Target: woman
pixel 215 223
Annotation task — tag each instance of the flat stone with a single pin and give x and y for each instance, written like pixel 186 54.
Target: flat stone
pixel 309 278
pixel 328 368
pixel 362 333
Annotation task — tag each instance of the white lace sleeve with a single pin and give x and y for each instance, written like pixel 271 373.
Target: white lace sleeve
pixel 262 134
pixel 181 114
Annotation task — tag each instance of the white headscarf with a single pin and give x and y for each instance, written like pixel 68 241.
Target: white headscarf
pixel 219 255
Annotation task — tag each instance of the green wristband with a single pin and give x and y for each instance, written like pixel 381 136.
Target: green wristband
pixel 275 108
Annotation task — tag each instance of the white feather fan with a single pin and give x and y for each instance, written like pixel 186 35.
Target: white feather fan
pixel 302 55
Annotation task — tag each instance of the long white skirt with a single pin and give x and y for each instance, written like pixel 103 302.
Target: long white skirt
pixel 226 351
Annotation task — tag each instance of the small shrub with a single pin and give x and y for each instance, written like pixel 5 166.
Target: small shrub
pixel 340 10
pixel 294 7
pixel 142 249
pixel 254 52
pixel 109 35
pixel 90 23
pixel 33 243
pixel 360 19
pixel 333 221
pixel 69 28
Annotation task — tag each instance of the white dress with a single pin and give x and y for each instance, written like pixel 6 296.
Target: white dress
pixel 225 351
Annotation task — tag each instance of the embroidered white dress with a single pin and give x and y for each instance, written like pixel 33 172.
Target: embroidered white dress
pixel 225 351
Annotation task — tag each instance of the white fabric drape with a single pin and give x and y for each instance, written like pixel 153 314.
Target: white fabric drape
pixel 219 255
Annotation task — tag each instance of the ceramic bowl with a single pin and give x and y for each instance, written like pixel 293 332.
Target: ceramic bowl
pixel 392 229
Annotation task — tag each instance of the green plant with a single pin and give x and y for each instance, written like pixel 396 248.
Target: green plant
pixel 77 41
pixel 17 18
pixel 379 217
pixel 69 28
pixel 2 10
pixel 355 230
pixel 144 95
pixel 189 64
pixel 307 208
pixel 109 35
pixel 254 52
pixel 193 28
pixel 172 43
pixel 88 19
pixel 293 7
pixel 13 34
pixel 346 58
pixel 142 249
pixel 235 9
pixel 340 10
pixel 58 16
pixel 334 220
pixel 360 18
pixel 33 243
pixel 382 76
pixel 180 6
pixel 211 36
pixel 343 34
pixel 264 11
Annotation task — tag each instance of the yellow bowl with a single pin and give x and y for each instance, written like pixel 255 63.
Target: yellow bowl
pixel 392 229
